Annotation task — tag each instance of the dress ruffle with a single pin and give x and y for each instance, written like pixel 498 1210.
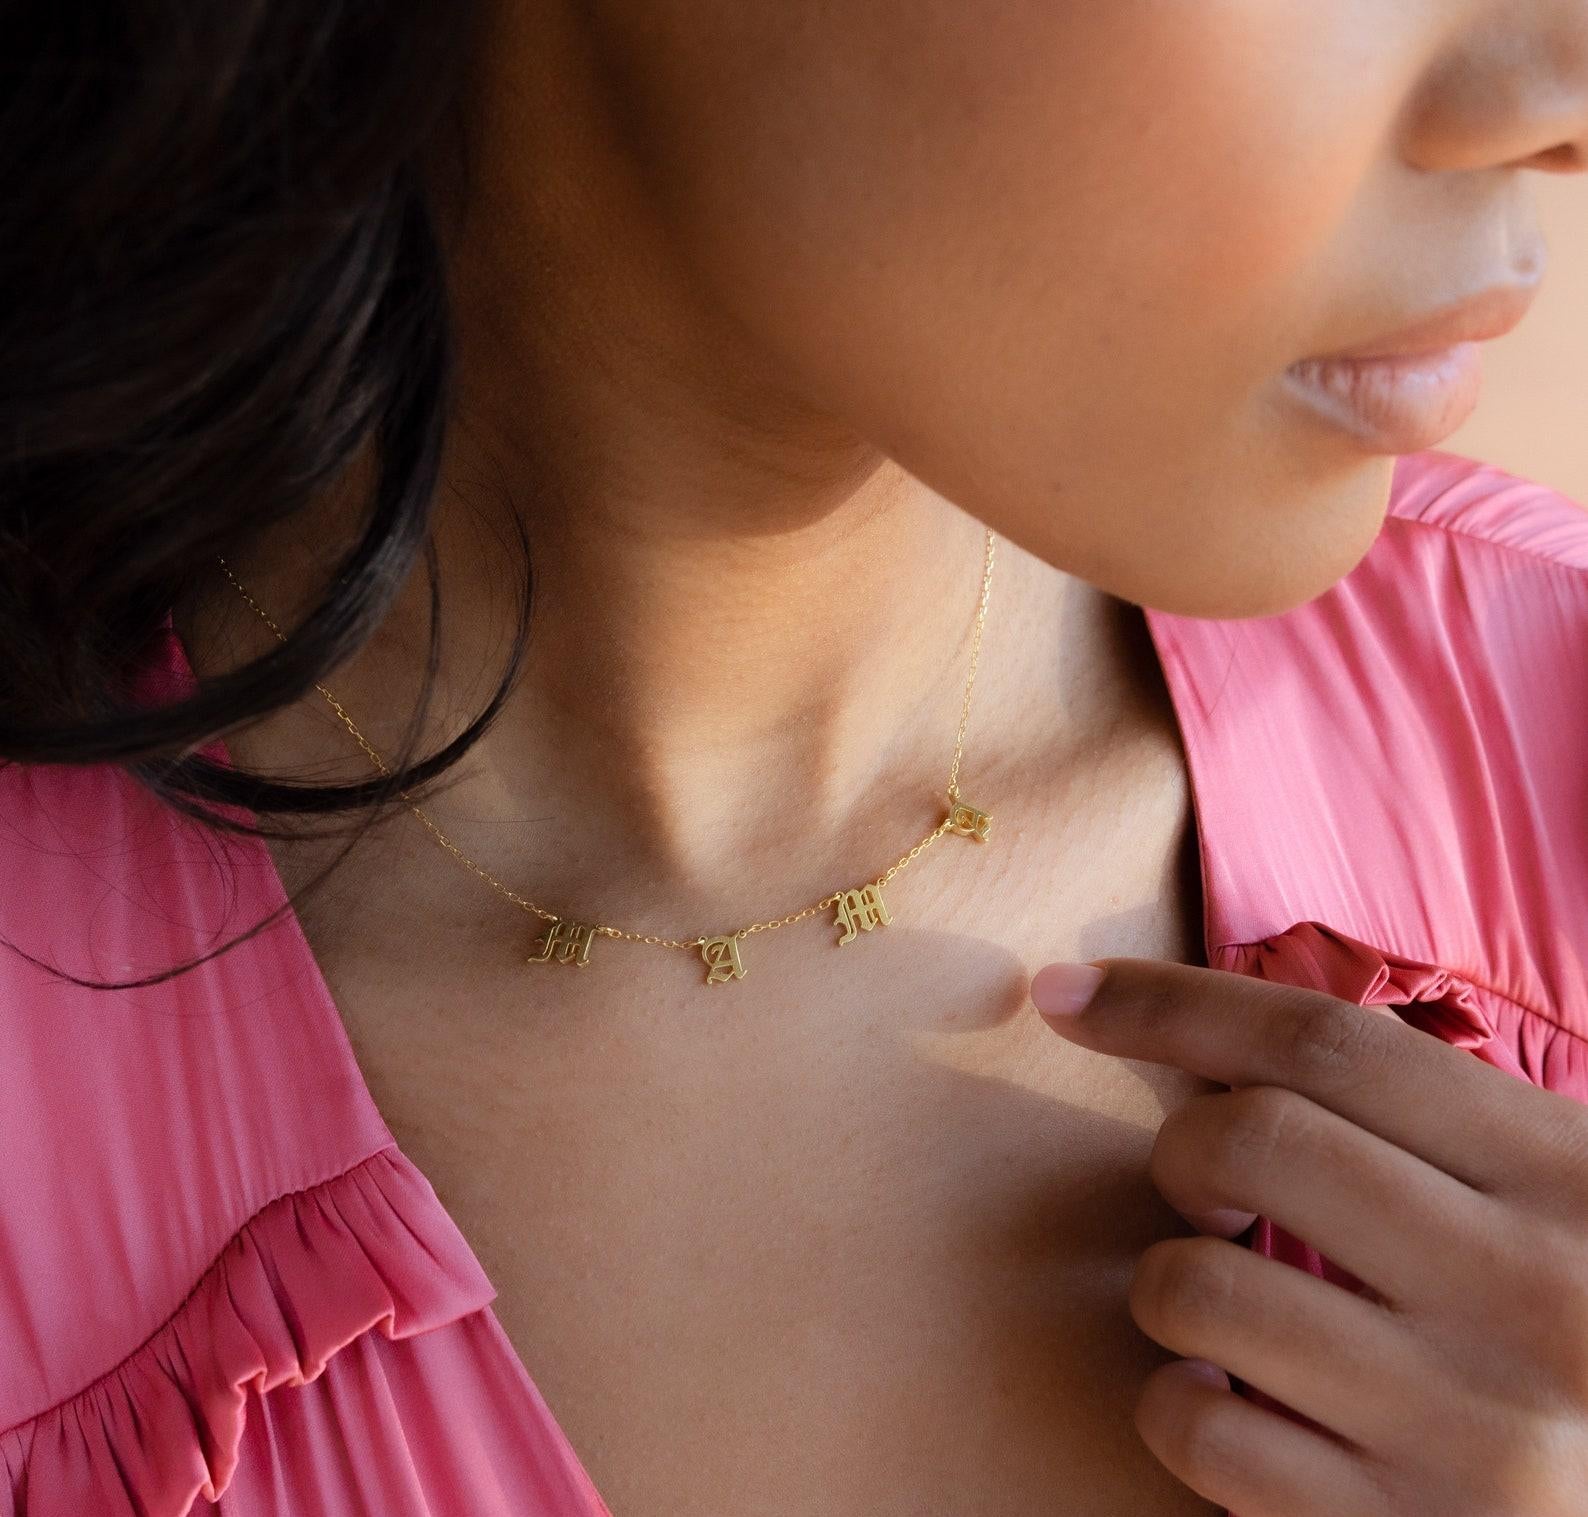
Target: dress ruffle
pixel 371 1247
pixel 1435 999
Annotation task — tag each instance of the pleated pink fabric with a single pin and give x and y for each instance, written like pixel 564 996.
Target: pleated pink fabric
pixel 223 1285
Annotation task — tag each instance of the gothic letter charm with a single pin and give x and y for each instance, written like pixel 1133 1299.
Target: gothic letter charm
pixel 722 959
pixel 567 942
pixel 860 908
pixel 968 821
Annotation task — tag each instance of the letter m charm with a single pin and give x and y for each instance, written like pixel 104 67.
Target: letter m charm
pixel 862 908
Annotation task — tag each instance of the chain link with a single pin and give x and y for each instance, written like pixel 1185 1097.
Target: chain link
pixel 525 904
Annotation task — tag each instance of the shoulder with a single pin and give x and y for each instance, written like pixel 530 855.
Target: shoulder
pixel 1483 510
pixel 1464 636
pixel 1405 756
pixel 1475 596
pixel 1476 575
pixel 145 1125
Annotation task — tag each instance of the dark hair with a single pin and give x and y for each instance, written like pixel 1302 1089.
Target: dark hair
pixel 222 261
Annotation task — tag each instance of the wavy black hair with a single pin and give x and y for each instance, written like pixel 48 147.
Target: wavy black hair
pixel 222 282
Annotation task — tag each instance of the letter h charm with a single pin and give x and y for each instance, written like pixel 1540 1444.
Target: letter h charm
pixel 567 942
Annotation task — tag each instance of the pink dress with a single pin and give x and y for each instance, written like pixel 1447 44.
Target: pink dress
pixel 221 1281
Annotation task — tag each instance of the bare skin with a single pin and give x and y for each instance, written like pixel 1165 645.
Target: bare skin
pixel 850 1235
pixel 764 312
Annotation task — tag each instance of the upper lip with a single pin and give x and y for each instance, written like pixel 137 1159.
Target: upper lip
pixel 1492 312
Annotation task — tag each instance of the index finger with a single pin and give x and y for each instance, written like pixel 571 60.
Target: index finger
pixel 1391 1079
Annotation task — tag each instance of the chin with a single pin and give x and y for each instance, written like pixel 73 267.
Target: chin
pixel 1265 560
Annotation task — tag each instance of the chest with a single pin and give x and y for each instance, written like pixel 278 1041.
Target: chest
pixel 850 1235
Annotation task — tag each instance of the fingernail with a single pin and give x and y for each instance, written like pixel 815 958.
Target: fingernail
pixel 1203 1370
pixel 1226 1221
pixel 1061 990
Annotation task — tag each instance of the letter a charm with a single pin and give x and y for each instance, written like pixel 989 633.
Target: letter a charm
pixel 860 908
pixel 567 942
pixel 722 959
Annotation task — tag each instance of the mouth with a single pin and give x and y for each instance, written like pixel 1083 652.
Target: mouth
pixel 1396 404
pixel 1411 389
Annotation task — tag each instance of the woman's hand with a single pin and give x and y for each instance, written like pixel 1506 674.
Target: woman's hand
pixel 1455 1192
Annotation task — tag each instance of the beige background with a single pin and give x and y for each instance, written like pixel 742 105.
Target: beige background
pixel 1533 419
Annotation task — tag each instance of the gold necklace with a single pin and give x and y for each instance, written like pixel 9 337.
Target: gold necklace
pixel 858 908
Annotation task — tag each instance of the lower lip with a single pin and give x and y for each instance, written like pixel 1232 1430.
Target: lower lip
pixel 1398 404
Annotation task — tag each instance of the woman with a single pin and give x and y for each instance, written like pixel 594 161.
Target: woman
pixel 683 432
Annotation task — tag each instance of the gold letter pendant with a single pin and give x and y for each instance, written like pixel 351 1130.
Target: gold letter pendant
pixel 567 942
pixel 722 959
pixel 966 820
pixel 860 908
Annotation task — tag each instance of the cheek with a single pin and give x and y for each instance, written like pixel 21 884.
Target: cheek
pixel 903 168
pixel 1222 144
pixel 1053 262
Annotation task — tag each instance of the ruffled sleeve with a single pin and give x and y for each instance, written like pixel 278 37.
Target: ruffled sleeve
pixel 367 1249
pixel 221 1280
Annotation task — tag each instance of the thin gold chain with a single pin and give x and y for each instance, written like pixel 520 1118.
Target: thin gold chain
pixel 525 904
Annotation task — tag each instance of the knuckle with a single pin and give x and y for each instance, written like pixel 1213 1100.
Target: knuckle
pixel 1324 1039
pixel 1182 1284
pixel 1159 1000
pixel 1257 1125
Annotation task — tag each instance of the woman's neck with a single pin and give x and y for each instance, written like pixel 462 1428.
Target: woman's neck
pixel 751 629
pixel 687 666
pixel 700 688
